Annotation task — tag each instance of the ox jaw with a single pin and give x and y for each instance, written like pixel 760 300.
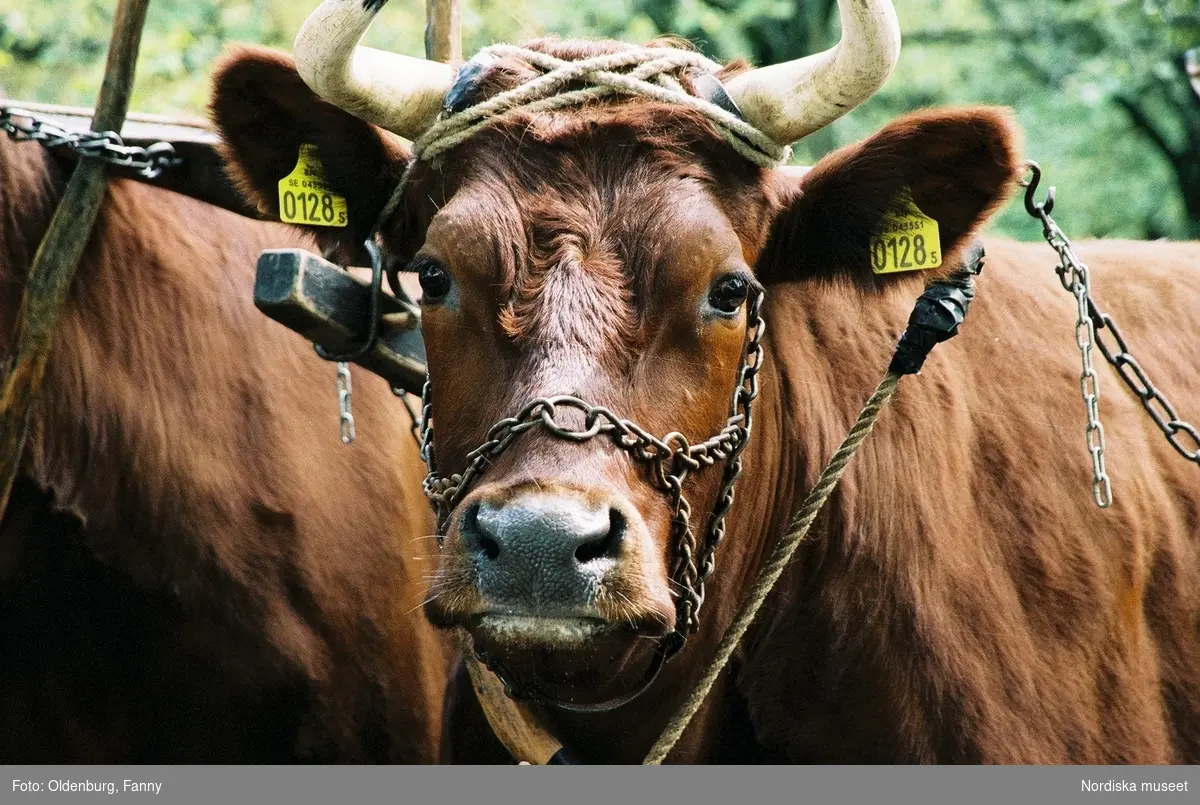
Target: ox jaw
pixel 568 658
pixel 560 585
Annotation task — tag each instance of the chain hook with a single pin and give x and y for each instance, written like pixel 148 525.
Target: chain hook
pixel 1032 207
pixel 373 315
pixel 1076 279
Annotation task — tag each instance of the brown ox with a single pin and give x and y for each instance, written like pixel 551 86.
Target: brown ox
pixel 193 567
pixel 961 599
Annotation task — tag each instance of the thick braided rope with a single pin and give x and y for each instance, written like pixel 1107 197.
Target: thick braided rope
pixel 774 568
pixel 649 78
pixel 544 94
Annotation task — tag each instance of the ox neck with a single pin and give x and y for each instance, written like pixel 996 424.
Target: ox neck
pixel 771 483
pixel 805 406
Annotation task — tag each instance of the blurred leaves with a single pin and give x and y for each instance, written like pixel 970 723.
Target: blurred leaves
pixel 1098 85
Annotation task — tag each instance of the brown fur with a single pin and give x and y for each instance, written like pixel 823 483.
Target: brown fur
pixel 961 599
pixel 195 569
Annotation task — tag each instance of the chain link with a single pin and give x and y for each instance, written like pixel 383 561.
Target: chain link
pixel 744 397
pixel 1090 322
pixel 1075 278
pixel 414 418
pixel 106 145
pixel 1157 406
pixel 345 418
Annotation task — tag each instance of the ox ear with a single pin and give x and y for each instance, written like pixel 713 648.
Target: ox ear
pixel 957 166
pixel 265 112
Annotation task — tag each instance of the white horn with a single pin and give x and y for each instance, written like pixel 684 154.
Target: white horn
pixel 395 92
pixel 790 100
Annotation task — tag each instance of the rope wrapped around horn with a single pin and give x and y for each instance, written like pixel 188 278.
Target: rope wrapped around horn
pixel 785 101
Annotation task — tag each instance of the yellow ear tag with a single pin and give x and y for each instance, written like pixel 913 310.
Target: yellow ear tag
pixel 909 241
pixel 304 198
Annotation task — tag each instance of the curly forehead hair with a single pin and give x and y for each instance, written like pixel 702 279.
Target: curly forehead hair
pixel 577 193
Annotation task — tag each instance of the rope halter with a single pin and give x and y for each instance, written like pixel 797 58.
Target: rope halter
pixel 638 72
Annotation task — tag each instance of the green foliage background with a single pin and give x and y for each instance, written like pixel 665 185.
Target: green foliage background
pixel 1097 84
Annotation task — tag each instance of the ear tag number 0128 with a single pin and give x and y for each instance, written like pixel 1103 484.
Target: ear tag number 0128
pixel 304 198
pixel 908 241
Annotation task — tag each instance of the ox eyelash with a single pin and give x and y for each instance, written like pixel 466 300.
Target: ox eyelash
pixel 420 261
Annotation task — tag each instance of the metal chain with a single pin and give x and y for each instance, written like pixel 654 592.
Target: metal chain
pixel 345 418
pixel 343 359
pixel 745 395
pixel 414 418
pixel 777 562
pixel 1157 406
pixel 1074 275
pixel 106 145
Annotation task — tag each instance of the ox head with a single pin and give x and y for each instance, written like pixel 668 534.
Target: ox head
pixel 608 252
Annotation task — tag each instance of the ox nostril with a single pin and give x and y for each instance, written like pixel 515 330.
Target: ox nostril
pixel 480 541
pixel 489 547
pixel 607 546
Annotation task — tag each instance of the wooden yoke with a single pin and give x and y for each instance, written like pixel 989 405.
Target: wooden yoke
pixel 512 722
pixel 330 307
pixel 61 248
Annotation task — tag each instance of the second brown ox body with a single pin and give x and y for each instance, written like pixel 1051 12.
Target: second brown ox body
pixel 193 568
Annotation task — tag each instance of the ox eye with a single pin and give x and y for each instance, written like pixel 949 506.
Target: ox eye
pixel 729 293
pixel 434 279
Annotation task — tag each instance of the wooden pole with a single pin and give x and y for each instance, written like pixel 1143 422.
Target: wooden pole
pixel 328 305
pixel 443 31
pixel 61 248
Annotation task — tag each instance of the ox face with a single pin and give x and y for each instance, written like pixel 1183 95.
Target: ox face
pixel 619 280
pixel 604 253
pixel 622 283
